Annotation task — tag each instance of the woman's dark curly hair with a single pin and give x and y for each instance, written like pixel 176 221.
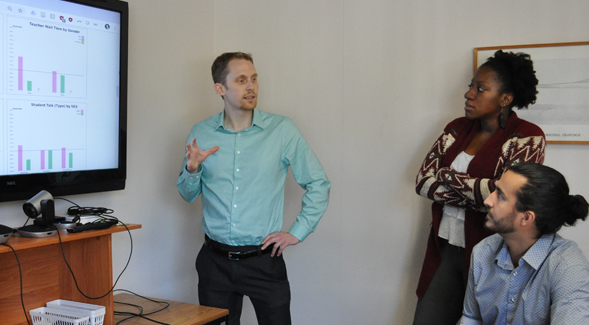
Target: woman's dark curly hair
pixel 515 72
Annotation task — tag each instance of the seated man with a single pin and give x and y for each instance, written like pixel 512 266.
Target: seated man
pixel 526 273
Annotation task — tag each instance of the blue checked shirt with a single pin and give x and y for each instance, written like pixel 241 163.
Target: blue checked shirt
pixel 550 285
pixel 242 184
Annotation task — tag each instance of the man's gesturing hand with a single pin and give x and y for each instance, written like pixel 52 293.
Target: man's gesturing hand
pixel 195 156
pixel 280 241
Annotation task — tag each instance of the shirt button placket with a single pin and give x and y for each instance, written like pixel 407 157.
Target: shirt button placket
pixel 236 181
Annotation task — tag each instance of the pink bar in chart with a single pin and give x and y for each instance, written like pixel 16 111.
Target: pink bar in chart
pixel 20 73
pixel 54 81
pixel 42 159
pixel 20 158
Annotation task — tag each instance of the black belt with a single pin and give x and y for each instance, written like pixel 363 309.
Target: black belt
pixel 235 255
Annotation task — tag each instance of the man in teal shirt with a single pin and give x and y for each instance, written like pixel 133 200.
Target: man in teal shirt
pixel 238 161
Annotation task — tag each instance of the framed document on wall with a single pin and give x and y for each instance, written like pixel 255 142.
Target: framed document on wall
pixel 562 105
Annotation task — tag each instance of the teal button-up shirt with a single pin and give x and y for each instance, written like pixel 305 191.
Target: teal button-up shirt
pixel 242 184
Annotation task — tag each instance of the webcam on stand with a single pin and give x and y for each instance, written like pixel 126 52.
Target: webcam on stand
pixel 40 204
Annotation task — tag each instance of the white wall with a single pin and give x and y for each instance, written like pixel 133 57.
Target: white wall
pixel 370 84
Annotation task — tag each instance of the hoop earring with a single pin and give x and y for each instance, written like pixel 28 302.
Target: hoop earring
pixel 502 119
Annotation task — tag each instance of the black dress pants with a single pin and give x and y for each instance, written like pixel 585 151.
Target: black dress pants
pixel 443 300
pixel 224 282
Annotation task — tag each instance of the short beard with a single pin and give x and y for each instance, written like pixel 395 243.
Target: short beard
pixel 504 226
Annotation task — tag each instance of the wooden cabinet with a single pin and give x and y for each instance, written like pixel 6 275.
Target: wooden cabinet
pixel 46 277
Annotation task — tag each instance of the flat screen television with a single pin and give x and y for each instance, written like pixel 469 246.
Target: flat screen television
pixel 63 97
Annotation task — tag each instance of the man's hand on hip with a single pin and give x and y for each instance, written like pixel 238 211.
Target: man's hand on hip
pixel 280 241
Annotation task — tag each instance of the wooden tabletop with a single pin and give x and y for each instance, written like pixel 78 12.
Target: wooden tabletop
pixel 20 243
pixel 177 313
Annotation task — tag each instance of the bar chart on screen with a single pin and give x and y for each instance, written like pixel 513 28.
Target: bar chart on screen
pixel 45 66
pixel 45 136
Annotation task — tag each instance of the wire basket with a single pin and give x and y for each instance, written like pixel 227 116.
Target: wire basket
pixel 95 312
pixel 45 316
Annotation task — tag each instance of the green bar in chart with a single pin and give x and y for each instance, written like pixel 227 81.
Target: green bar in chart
pixel 71 160
pixel 63 84
pixel 28 164
pixel 29 86
pixel 50 159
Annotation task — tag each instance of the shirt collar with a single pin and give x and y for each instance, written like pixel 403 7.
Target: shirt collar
pixel 502 258
pixel 533 257
pixel 538 252
pixel 258 120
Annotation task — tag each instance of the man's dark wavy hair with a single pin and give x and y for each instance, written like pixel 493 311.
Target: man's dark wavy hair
pixel 546 193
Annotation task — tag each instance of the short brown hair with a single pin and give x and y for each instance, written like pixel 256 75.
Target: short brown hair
pixel 219 68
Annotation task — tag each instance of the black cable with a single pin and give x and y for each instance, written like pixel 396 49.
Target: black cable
pixel 78 211
pixel 146 298
pixel 101 212
pixel 104 215
pixel 74 277
pixel 126 313
pixel 22 301
pixel 140 314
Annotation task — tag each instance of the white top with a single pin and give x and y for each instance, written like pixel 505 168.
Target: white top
pixel 452 223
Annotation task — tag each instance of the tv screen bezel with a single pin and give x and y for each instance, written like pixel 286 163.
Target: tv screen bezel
pixel 24 186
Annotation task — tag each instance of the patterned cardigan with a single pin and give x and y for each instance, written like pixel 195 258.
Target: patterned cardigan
pixel 519 142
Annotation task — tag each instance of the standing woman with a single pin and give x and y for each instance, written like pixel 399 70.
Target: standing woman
pixel 460 171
